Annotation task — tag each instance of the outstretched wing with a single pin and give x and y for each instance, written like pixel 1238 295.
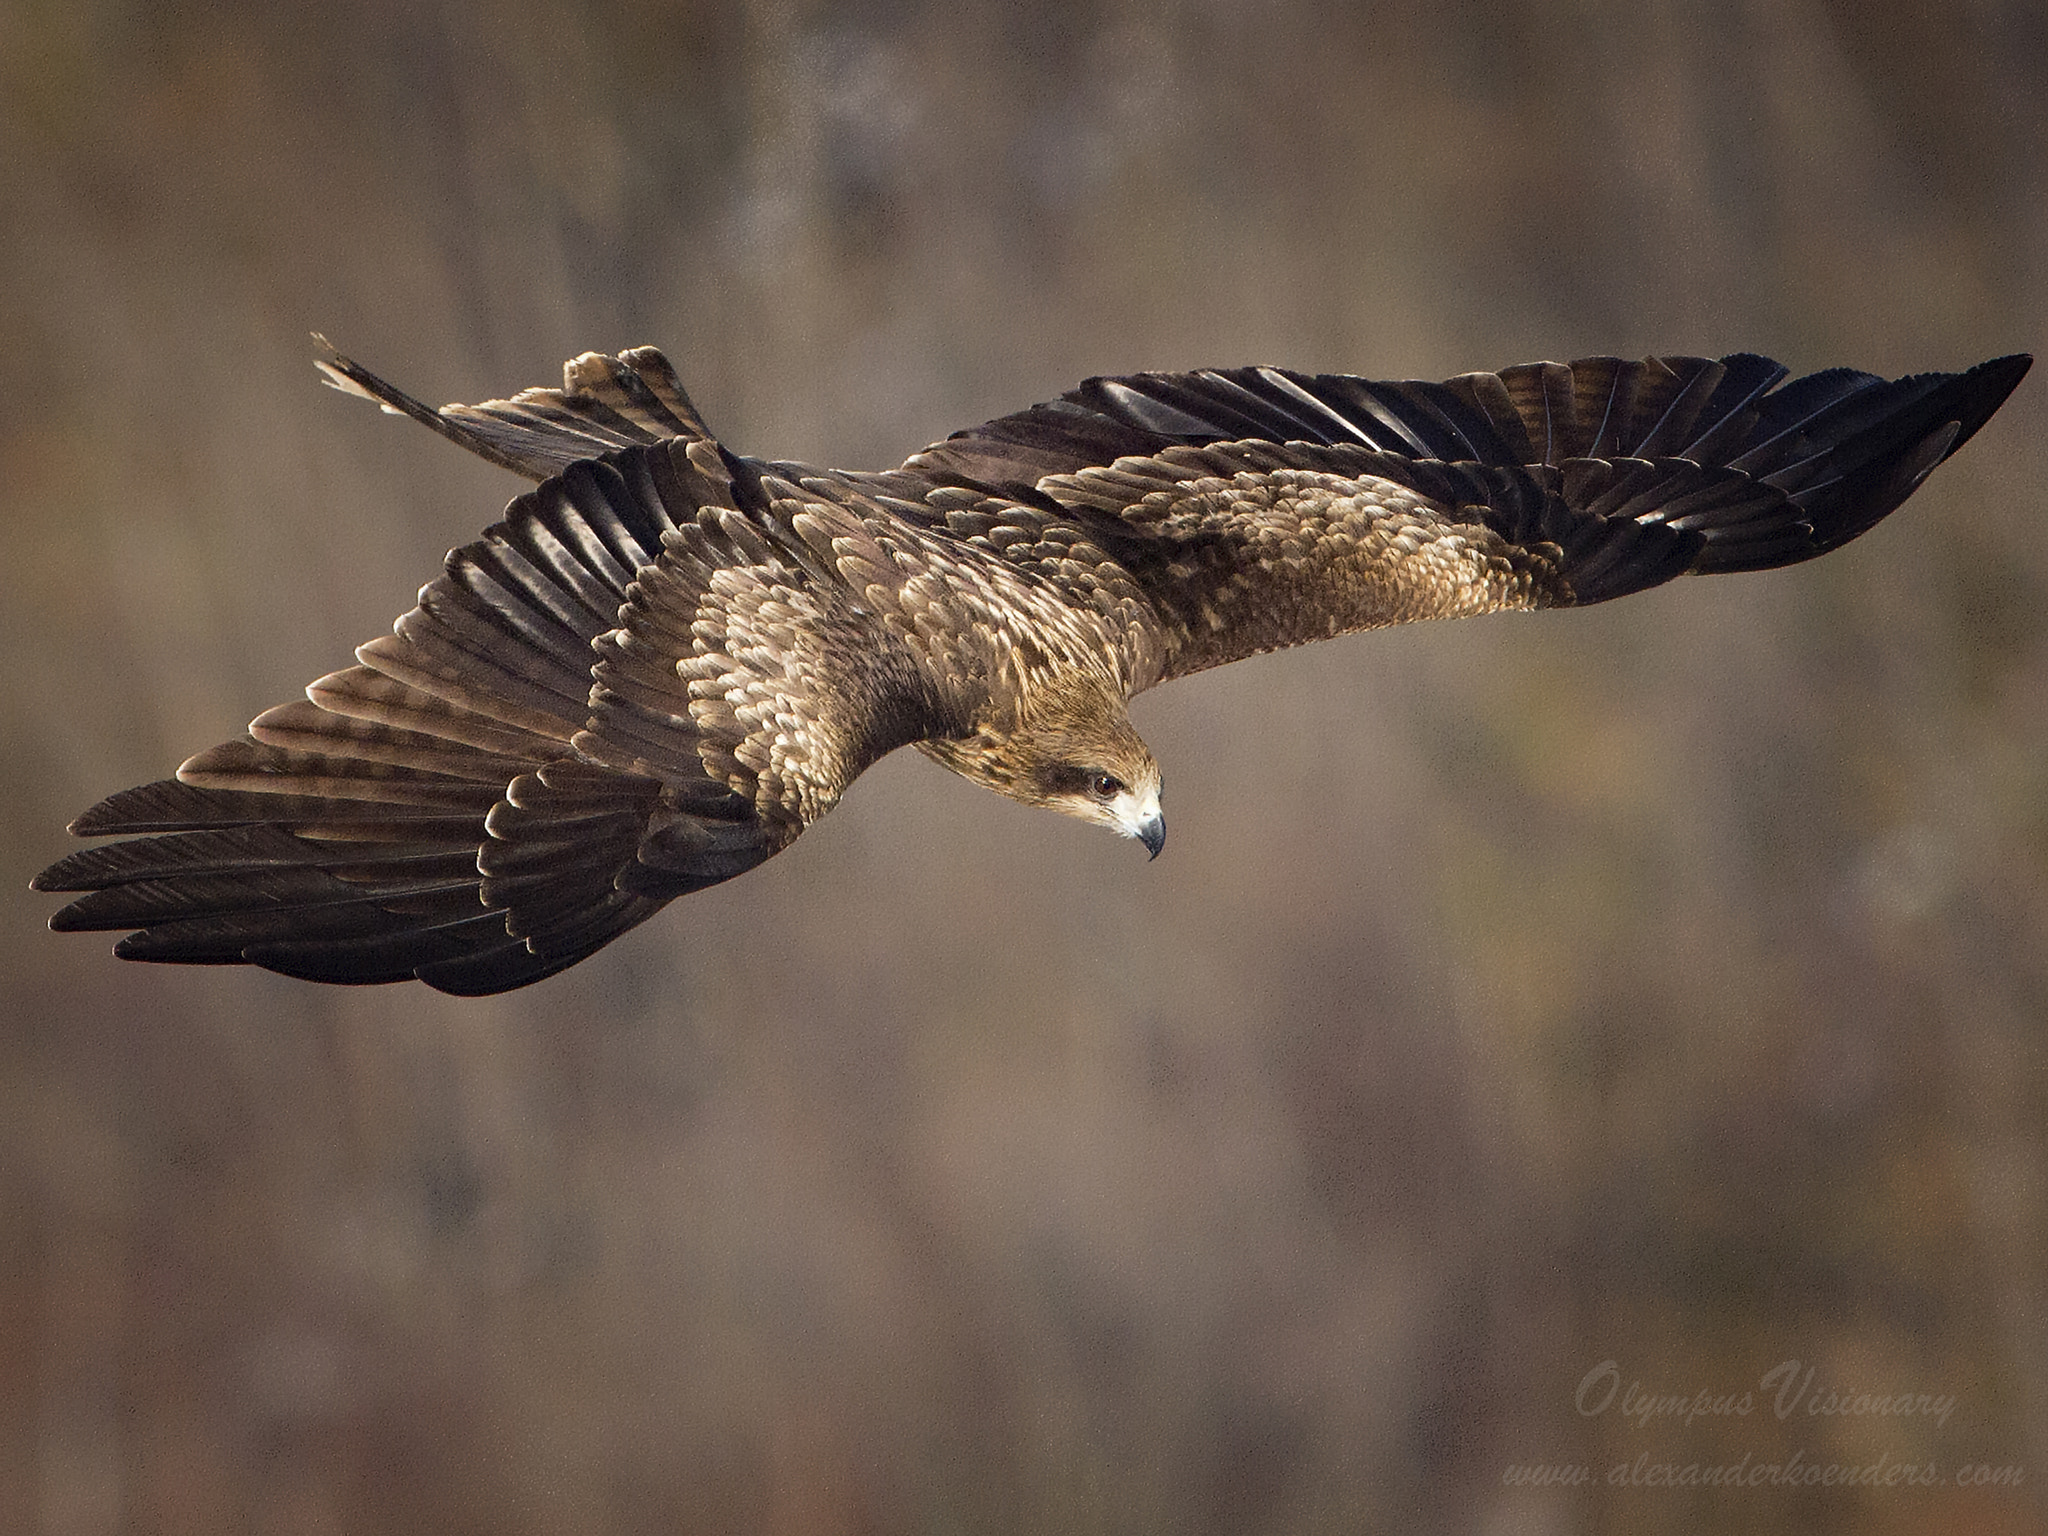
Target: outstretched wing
pixel 1258 508
pixel 520 772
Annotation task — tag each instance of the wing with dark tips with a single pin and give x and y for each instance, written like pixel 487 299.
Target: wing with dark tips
pixel 424 814
pixel 1261 508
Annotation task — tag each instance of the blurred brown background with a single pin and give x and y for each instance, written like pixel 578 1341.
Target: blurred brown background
pixel 1661 984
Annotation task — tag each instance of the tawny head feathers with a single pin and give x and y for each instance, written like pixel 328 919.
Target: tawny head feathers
pixel 1069 749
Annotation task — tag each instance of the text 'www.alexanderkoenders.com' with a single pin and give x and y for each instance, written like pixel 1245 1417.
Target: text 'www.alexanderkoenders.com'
pixel 1794 1471
pixel 1787 1391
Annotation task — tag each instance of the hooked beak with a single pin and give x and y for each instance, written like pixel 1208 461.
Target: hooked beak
pixel 1152 833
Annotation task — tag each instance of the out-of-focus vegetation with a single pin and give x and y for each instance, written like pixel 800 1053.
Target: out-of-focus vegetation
pixel 1662 984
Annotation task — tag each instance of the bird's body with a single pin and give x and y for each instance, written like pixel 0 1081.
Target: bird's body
pixel 668 659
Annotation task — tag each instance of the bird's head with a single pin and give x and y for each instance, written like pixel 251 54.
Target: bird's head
pixel 1074 753
pixel 1114 789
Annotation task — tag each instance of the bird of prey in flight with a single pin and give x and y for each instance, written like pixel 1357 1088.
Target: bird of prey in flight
pixel 670 659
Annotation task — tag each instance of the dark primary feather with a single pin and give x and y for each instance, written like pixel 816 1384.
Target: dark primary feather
pixel 667 660
pixel 1595 479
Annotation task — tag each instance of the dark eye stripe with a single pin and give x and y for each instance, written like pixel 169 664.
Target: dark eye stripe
pixel 1073 779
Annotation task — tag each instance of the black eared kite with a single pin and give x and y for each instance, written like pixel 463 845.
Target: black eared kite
pixel 669 659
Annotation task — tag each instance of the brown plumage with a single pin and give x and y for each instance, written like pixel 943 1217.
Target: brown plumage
pixel 668 660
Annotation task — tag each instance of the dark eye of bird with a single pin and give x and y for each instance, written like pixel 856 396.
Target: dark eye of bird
pixel 1106 786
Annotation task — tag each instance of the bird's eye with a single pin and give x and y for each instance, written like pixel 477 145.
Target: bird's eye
pixel 1106 786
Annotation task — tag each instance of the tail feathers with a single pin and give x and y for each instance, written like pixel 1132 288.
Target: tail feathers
pixel 604 403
